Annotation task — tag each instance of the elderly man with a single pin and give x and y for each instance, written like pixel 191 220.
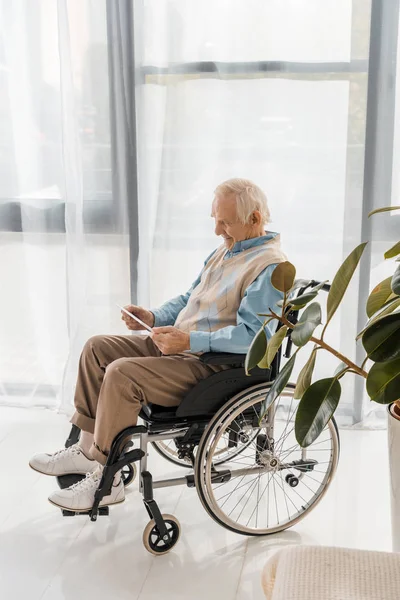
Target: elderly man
pixel 219 313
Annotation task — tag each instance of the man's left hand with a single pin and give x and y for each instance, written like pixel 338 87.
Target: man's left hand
pixel 170 340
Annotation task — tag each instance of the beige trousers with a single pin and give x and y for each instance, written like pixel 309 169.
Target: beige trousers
pixel 119 373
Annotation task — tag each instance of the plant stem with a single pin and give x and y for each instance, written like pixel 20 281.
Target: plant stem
pixel 346 370
pixel 324 345
pixel 284 302
pixel 340 356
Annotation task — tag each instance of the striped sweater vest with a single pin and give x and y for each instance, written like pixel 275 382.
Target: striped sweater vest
pixel 214 302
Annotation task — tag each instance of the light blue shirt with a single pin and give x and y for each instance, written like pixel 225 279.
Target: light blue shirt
pixel 258 298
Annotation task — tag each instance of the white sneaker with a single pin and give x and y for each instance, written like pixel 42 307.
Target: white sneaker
pixel 67 460
pixel 80 496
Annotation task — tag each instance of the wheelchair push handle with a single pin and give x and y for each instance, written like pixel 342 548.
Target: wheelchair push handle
pixel 325 288
pixel 312 283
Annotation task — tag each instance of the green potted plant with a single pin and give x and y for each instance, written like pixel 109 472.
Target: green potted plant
pixel 380 337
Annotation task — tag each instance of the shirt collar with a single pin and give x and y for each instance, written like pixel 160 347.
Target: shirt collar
pixel 252 242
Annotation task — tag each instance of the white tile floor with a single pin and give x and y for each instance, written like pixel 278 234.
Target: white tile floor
pixel 46 557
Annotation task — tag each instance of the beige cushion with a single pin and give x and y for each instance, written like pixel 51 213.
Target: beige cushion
pixel 325 573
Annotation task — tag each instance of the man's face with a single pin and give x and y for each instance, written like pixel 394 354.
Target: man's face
pixel 226 221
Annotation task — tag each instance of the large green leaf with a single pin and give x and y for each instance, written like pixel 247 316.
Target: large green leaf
pixel 279 383
pixel 379 295
pixel 393 251
pixel 396 281
pixel 256 350
pixel 283 275
pixel 305 376
pixel 316 407
pixel 308 322
pixel 384 209
pixel 304 299
pixel 272 348
pixel 382 339
pixel 342 280
pixel 387 308
pixel 383 382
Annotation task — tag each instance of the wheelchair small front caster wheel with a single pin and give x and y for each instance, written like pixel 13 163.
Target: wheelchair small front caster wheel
pixel 152 540
pixel 128 474
pixel 292 480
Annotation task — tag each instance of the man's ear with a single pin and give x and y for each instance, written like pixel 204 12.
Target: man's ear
pixel 256 218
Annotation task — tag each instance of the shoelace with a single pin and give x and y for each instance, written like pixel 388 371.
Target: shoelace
pixel 91 480
pixel 59 453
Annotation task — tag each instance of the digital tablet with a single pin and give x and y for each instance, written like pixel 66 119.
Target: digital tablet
pixel 134 317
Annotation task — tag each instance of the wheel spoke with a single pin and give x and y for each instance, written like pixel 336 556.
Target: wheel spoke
pixel 316 480
pixel 280 446
pixel 254 487
pixel 287 495
pixel 284 494
pixel 287 422
pixel 301 480
pixel 237 487
pixel 240 499
pixel 258 497
pixel 276 504
pixel 258 503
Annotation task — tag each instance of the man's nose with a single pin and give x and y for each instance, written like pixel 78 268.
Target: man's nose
pixel 219 230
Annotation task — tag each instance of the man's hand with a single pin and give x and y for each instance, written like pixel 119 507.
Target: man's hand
pixel 170 340
pixel 141 313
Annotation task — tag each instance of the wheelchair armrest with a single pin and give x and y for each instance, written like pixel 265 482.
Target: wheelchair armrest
pixel 223 358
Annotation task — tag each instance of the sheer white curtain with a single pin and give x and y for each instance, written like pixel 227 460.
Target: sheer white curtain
pixel 274 91
pixel 271 91
pixel 64 254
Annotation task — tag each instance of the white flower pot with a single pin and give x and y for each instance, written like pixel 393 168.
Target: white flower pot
pixel 394 462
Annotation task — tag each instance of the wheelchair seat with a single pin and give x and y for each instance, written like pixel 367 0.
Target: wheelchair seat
pixel 205 398
pixel 155 412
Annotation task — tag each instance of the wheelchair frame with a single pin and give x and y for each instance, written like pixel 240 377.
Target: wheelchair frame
pixel 181 423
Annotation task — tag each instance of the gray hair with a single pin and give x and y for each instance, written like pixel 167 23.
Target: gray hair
pixel 249 197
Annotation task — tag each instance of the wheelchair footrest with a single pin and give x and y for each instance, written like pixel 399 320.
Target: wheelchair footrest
pixel 303 465
pixel 102 511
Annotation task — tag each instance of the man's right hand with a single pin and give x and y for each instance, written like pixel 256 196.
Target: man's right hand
pixel 141 313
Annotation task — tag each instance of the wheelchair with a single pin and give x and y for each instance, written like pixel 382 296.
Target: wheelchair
pixel 249 472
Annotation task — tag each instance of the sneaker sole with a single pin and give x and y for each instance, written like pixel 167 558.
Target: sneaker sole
pixel 60 474
pixel 81 510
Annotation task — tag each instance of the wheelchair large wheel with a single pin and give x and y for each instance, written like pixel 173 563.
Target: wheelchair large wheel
pixel 274 483
pixel 225 451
